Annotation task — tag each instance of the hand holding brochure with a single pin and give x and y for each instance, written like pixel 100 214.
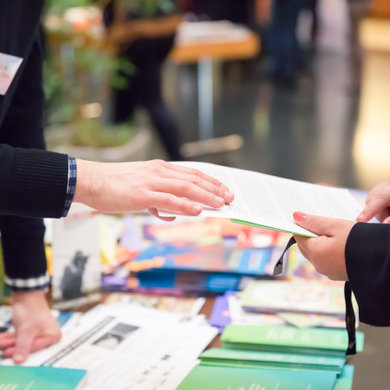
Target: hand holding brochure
pixel 270 201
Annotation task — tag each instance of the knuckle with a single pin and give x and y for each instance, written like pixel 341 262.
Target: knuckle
pixel 158 161
pixel 150 197
pixel 197 173
pixel 186 186
pixel 171 200
pixel 157 164
pixel 196 180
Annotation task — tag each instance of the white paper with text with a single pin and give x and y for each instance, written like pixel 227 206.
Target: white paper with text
pixel 270 201
pixel 124 346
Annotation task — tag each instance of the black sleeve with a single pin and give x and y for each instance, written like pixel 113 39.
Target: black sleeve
pixel 32 182
pixel 367 256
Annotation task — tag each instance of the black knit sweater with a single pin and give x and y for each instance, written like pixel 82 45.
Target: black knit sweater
pixel 32 181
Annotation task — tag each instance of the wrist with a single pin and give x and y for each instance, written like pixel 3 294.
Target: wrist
pixel 28 296
pixel 86 181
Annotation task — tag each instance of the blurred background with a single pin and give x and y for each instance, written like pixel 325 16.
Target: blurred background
pixel 297 89
pixel 293 88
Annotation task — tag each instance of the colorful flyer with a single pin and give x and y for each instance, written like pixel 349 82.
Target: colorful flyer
pixel 9 65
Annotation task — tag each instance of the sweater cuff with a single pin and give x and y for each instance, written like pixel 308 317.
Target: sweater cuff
pixel 367 256
pixel 71 187
pixel 29 284
pixel 38 184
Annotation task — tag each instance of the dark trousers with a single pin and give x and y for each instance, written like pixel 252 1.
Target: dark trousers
pixel 284 47
pixel 144 89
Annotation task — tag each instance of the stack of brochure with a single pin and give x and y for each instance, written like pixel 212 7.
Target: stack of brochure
pixel 289 339
pixel 204 377
pixel 282 357
pixel 188 256
pixel 229 309
pixel 272 360
pixel 297 296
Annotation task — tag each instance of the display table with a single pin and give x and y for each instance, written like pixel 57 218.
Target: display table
pixel 205 42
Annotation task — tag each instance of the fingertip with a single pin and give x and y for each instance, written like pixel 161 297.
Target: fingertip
pixel 18 358
pixel 360 217
pixel 196 209
pixel 229 196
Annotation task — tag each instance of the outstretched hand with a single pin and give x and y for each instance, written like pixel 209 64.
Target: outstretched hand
pixel 152 185
pixel 34 327
pixel 377 203
pixel 327 251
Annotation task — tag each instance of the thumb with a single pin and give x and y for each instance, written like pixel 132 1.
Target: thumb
pixel 321 226
pixel 24 340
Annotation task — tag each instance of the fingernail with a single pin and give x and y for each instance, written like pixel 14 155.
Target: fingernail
pixel 299 216
pixel 359 217
pixel 197 209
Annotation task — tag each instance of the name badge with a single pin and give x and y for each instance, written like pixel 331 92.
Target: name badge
pixel 9 65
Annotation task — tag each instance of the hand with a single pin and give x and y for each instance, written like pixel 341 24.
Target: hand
pixel 326 252
pixel 153 185
pixel 35 327
pixel 377 203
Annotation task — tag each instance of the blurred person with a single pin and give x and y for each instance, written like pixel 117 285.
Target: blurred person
pixel 358 252
pixel 357 11
pixel 35 183
pixel 240 12
pixel 263 18
pixel 147 52
pixel 286 54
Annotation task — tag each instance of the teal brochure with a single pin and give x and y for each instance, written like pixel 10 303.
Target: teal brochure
pixel 345 379
pixel 288 339
pixel 41 378
pixel 251 359
pixel 228 378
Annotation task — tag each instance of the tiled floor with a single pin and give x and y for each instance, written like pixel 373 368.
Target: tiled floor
pixel 320 132
pixel 304 134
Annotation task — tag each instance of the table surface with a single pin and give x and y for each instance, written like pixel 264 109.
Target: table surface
pixel 224 50
pixel 371 365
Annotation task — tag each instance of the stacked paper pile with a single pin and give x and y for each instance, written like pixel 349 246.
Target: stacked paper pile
pixel 282 357
pixel 187 257
pixel 289 339
pixel 126 346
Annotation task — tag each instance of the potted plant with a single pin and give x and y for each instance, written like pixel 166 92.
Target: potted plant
pixel 77 77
